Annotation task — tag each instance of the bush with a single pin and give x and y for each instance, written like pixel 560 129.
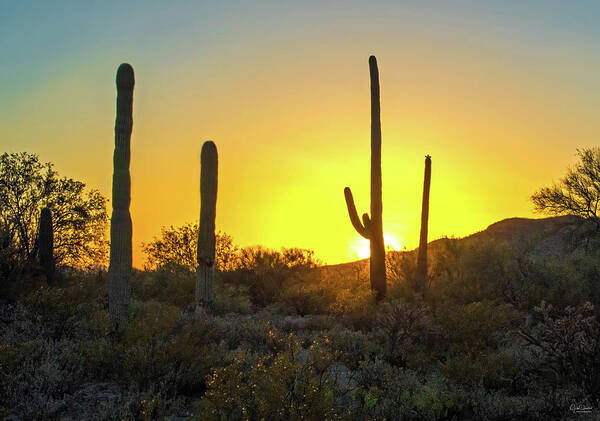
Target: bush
pixel 307 299
pixel 567 346
pixel 355 307
pixel 275 387
pixel 408 330
pixel 264 272
pixel 231 299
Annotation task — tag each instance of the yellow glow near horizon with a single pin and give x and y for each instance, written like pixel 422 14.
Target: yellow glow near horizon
pixel 499 103
pixel 361 248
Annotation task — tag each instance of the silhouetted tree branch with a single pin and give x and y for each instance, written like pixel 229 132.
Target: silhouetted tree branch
pixel 578 193
pixel 78 217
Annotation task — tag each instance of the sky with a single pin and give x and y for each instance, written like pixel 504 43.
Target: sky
pixel 499 93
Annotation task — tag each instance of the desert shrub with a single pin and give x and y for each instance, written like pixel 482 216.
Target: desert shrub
pixel 490 370
pixel 277 387
pixel 476 326
pixel 176 289
pixel 475 271
pixel 408 330
pixel 66 309
pixel 55 307
pixel 265 271
pixel 480 270
pixel 566 343
pixel 140 352
pixel 353 347
pixel 400 268
pixel 36 375
pixel 532 406
pixel 231 299
pixel 570 280
pixel 390 392
pixel 355 307
pixel 155 350
pixel 305 299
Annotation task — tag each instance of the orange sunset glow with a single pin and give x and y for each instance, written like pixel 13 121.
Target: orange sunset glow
pixel 300 210
pixel 500 107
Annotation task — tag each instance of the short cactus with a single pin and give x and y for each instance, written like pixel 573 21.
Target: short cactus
pixel 206 233
pixel 119 271
pixel 421 274
pixel 372 228
pixel 46 244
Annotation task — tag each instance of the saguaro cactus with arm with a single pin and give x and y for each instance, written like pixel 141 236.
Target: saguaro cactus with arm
pixel 372 227
pixel 421 275
pixel 119 270
pixel 206 233
pixel 46 244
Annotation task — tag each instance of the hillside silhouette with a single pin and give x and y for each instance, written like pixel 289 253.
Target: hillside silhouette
pixel 534 238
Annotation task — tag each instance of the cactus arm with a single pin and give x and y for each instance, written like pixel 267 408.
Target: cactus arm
pixel 366 221
pixel 363 231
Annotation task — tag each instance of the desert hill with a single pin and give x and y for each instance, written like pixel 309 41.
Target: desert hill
pixel 534 238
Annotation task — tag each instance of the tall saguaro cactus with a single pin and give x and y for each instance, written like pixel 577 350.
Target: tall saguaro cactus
pixel 119 270
pixel 46 244
pixel 206 234
pixel 372 227
pixel 421 275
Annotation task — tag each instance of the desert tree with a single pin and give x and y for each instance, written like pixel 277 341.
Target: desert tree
pixel 79 215
pixel 577 193
pixel 175 250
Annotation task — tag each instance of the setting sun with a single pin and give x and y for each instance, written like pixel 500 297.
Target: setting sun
pixel 361 247
pixel 188 190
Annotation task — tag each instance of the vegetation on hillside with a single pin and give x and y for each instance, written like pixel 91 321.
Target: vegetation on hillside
pixel 495 338
pixel 501 334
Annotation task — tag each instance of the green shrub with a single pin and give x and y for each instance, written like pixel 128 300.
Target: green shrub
pixel 355 307
pixel 264 272
pixel 275 387
pixel 231 299
pixel 409 331
pixel 305 300
pixel 476 326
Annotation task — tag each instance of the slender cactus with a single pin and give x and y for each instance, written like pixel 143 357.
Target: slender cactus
pixel 421 275
pixel 206 234
pixel 372 227
pixel 46 244
pixel 119 270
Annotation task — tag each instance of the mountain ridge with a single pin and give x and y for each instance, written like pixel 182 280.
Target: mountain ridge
pixel 536 237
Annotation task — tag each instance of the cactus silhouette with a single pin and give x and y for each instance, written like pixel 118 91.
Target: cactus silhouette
pixel 421 274
pixel 46 244
pixel 119 270
pixel 372 227
pixel 206 234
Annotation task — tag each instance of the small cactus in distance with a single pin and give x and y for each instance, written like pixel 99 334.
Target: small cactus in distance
pixel 421 274
pixel 119 270
pixel 206 233
pixel 372 227
pixel 46 244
